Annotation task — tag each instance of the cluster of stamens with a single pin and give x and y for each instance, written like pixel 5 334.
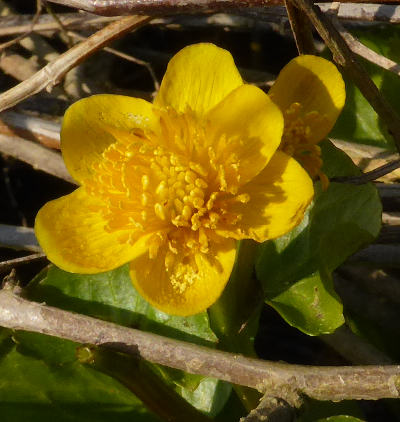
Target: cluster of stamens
pixel 296 140
pixel 171 184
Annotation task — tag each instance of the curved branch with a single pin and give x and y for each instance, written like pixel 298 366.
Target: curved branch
pixel 278 379
pixel 52 73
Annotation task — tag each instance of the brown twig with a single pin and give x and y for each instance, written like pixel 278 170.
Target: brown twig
pixel 17 237
pixel 29 31
pixel 278 379
pixel 271 409
pixel 365 52
pixel 12 263
pixel 344 57
pixel 52 73
pixel 370 175
pixel 17 24
pixel 31 128
pixel 165 7
pixel 301 28
pixel 125 56
pixel 36 155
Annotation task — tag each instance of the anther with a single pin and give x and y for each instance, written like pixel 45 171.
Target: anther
pixel 162 190
pixel 144 199
pixel 200 183
pixel 186 212
pixel 159 211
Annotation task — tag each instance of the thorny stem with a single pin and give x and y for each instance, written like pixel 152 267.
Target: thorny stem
pixel 278 379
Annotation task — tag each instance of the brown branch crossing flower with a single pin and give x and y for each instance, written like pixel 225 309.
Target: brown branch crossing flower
pixel 169 187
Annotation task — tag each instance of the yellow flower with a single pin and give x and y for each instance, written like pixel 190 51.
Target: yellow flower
pixel 310 92
pixel 169 187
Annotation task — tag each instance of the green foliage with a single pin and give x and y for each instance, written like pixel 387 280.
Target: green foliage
pixel 358 121
pixel 296 268
pixel 41 381
pixel 42 372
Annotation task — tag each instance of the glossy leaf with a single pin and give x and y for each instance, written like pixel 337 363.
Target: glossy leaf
pixel 36 386
pixel 296 268
pixel 111 296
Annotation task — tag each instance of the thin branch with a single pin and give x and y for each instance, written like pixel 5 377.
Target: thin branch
pixel 255 17
pixel 301 28
pixel 52 73
pixel 40 130
pixel 165 7
pixel 321 383
pixel 17 237
pixel 344 57
pixel 365 52
pixel 17 24
pixel 29 31
pixel 12 263
pixel 36 155
pixel 370 175
pixel 271 409
pixel 161 7
pixel 125 56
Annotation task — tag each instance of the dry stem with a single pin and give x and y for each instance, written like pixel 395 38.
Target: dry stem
pixel 52 73
pixel 278 379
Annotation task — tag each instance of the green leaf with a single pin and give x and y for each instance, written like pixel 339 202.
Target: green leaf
pixel 311 305
pixel 295 269
pixel 111 296
pixel 358 121
pixel 38 389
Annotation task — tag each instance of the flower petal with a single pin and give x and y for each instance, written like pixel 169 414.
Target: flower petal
pixel 71 232
pixel 279 196
pixel 198 77
pixel 191 284
pixel 317 85
pixel 249 125
pixel 89 125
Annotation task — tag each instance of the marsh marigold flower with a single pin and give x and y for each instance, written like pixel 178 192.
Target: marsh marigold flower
pixel 310 93
pixel 169 187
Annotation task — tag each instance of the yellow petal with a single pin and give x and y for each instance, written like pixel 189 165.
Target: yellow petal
pixel 71 232
pixel 317 85
pixel 89 124
pixel 279 196
pixel 191 284
pixel 249 125
pixel 199 77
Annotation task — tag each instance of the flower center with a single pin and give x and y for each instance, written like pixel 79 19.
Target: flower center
pixel 172 183
pixel 296 140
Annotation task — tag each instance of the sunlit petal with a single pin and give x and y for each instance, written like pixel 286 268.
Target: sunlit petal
pixel 246 125
pixel 184 285
pixel 89 127
pixel 315 84
pixel 279 196
pixel 198 77
pixel 71 231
